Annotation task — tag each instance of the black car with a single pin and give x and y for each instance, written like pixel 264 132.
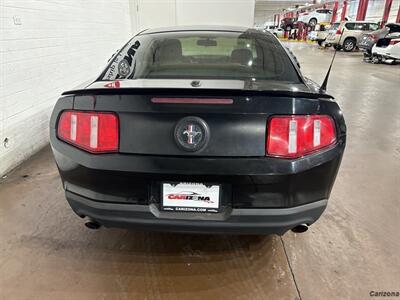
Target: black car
pixel 199 129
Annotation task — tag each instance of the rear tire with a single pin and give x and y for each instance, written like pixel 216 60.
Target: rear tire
pixel 312 22
pixel 377 59
pixel 349 44
pixel 320 43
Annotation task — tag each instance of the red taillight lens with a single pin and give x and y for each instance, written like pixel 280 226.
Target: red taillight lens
pixel 96 132
pixel 339 31
pixel 296 136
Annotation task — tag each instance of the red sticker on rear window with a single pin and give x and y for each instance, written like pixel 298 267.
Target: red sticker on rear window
pixel 115 84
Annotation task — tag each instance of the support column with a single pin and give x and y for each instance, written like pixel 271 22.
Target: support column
pixel 362 10
pixel 386 12
pixel 398 15
pixel 334 11
pixel 344 11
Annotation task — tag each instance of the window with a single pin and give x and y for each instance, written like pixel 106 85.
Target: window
pixel 393 28
pixel 357 26
pixel 203 55
pixel 373 27
pixel 360 26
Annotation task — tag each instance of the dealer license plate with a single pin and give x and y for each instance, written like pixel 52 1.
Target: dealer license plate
pixel 190 197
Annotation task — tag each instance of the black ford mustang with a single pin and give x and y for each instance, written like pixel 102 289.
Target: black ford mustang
pixel 190 129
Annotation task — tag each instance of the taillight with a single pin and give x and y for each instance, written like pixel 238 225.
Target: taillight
pixel 339 31
pixel 372 37
pixel 296 136
pixel 394 42
pixel 96 132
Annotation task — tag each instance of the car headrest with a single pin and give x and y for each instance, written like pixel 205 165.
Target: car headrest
pixel 169 51
pixel 241 56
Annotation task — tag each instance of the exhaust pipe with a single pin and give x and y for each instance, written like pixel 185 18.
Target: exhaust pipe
pixel 300 228
pixel 91 224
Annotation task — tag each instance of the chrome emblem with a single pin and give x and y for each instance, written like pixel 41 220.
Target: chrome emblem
pixel 191 134
pixel 195 83
pixel 123 68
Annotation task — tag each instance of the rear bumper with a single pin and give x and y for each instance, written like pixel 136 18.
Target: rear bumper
pixel 259 196
pixel 237 221
pixel 332 41
pixel 246 182
pixel 365 47
pixel 388 55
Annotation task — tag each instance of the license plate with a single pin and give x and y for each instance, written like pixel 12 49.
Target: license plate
pixel 190 197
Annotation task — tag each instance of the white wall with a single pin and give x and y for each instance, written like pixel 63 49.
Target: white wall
pixel 215 12
pixel 154 13
pixel 160 13
pixel 47 47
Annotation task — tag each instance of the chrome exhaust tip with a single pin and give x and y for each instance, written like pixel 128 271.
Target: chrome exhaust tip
pixel 91 224
pixel 300 228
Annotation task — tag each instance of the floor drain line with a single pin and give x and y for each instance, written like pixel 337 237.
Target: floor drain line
pixel 290 268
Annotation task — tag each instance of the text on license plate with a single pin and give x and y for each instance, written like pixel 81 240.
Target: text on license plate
pixel 190 197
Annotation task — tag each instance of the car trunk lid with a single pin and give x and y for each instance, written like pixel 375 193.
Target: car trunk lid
pixel 236 121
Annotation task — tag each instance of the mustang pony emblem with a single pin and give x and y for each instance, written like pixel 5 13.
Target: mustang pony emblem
pixel 191 134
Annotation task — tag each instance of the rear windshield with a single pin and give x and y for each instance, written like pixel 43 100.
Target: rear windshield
pixel 203 55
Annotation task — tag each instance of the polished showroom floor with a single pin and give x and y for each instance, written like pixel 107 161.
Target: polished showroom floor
pixel 47 253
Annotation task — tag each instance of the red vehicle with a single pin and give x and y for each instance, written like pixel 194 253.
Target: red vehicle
pixel 289 23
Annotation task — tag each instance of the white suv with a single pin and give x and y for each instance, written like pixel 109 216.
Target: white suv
pixel 315 17
pixel 352 32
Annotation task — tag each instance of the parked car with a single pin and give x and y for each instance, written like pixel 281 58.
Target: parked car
pixel 209 129
pixel 387 48
pixel 270 28
pixel 279 32
pixel 352 32
pixel 324 32
pixel 368 40
pixel 315 17
pixel 289 23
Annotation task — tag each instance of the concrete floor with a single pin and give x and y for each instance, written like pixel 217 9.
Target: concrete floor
pixel 47 253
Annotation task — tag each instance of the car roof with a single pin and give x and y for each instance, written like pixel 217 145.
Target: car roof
pixel 369 22
pixel 196 28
